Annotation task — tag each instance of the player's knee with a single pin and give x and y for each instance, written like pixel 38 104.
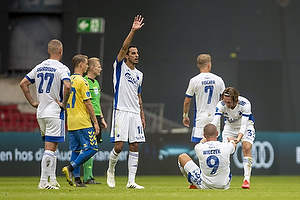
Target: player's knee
pixel 183 159
pixel 134 147
pixel 118 149
pixel 182 156
pixel 246 149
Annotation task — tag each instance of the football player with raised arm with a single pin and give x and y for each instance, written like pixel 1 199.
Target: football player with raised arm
pixel 128 121
pixel 239 123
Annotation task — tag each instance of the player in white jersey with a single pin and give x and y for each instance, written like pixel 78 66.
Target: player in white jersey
pixel 214 159
pixel 206 88
pixel 239 123
pixel 53 88
pixel 127 84
pixel 128 122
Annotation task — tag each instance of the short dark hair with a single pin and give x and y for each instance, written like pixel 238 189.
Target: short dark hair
pixel 130 46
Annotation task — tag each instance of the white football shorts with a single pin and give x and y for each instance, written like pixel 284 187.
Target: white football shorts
pixel 197 133
pixel 126 127
pixel 248 136
pixel 52 129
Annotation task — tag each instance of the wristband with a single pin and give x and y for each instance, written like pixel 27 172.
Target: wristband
pixel 185 115
pixel 232 141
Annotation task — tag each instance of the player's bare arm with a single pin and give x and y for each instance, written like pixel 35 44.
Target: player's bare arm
pixel 91 111
pixel 142 111
pixel 67 90
pixel 230 139
pixel 24 84
pixel 103 122
pixel 186 108
pixel 239 137
pixel 137 24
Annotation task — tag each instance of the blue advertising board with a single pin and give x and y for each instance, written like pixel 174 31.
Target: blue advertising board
pixel 274 153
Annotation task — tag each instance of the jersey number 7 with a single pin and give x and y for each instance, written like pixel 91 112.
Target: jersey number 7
pixel 209 89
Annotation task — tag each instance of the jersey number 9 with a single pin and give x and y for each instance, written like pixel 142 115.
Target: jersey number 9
pixel 213 162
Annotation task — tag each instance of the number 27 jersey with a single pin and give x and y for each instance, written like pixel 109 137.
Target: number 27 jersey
pixel 49 76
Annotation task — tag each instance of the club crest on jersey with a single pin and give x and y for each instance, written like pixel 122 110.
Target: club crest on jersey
pixel 132 80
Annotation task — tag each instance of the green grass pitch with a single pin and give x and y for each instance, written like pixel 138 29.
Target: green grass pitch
pixel 157 188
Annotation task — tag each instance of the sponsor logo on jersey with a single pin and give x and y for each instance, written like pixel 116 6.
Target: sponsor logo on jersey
pixel 131 79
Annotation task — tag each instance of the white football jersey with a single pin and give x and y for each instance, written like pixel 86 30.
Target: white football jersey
pixel 239 117
pixel 49 76
pixel 127 86
pixel 214 160
pixel 207 89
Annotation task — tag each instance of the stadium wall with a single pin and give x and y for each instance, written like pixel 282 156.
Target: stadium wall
pixel 274 153
pixel 261 35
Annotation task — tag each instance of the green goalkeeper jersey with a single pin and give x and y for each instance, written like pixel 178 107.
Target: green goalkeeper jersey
pixel 95 94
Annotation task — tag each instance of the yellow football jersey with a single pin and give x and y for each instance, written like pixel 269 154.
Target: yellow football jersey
pixel 78 116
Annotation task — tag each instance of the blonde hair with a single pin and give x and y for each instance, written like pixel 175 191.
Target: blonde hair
pixel 77 59
pixel 54 46
pixel 92 62
pixel 203 59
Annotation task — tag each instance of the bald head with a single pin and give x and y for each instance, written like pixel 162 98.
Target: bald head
pixel 54 46
pixel 210 131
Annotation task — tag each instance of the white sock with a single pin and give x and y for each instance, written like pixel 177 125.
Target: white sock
pixel 133 160
pixel 47 162
pixel 53 169
pixel 182 170
pixel 247 163
pixel 113 159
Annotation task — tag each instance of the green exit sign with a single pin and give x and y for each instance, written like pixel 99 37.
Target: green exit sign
pixel 90 25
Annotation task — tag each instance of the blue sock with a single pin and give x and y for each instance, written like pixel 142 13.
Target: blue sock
pixel 76 170
pixel 83 157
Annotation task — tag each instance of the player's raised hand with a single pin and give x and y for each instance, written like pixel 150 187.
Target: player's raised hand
pixel 138 23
